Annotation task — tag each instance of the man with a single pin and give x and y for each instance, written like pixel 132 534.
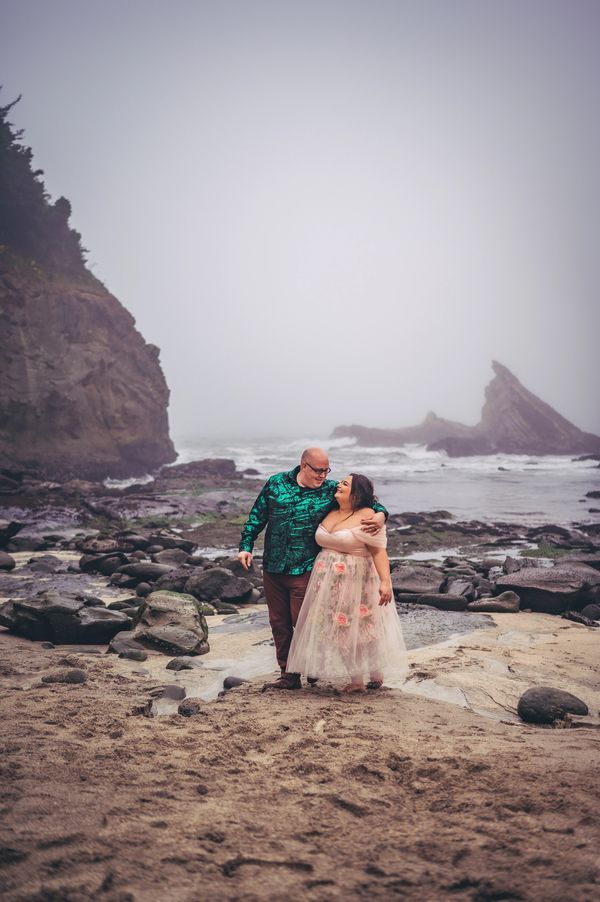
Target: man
pixel 291 505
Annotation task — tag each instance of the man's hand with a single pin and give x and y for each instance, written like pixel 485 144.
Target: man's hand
pixel 385 593
pixel 245 559
pixel 373 524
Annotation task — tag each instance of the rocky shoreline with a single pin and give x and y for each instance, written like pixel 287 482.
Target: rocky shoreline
pixel 139 608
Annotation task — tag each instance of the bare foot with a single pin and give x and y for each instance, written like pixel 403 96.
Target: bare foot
pixel 354 687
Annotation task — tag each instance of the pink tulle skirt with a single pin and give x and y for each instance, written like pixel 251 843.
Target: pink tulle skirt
pixel 342 630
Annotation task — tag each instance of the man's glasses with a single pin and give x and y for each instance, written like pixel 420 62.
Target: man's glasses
pixel 320 471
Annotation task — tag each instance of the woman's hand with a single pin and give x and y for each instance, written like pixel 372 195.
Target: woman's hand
pixel 385 592
pixel 372 524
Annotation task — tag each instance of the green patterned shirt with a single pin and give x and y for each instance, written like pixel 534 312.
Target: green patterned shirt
pixel 291 514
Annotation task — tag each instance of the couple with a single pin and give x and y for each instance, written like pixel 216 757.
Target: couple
pixel 329 610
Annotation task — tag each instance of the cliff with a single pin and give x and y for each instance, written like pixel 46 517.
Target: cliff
pixel 82 393
pixel 513 421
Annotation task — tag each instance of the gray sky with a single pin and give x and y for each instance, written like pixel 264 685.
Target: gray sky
pixel 329 212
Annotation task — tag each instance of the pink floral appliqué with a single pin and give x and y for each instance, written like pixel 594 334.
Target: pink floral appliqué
pixel 363 610
pixel 320 566
pixel 341 619
pixel 339 567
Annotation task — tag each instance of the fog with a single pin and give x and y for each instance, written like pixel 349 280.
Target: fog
pixel 329 212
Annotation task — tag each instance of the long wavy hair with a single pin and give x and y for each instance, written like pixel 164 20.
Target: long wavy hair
pixel 362 493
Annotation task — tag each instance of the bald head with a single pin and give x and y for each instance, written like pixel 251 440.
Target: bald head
pixel 314 465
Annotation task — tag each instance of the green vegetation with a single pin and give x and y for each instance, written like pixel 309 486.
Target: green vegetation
pixel 544 550
pixel 31 226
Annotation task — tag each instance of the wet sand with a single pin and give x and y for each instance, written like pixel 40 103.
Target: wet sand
pixel 304 795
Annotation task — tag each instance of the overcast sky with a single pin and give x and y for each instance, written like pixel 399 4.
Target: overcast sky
pixel 329 212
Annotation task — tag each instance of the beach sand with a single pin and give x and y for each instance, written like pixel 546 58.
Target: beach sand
pixel 308 795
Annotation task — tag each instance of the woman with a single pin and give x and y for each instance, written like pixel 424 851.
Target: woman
pixel 347 626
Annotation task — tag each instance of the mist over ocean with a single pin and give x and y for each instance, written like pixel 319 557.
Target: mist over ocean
pixel 511 488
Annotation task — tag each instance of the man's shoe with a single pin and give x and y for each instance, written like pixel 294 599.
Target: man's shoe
pixel 285 681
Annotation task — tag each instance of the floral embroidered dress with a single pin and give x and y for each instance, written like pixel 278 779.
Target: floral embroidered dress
pixel 342 630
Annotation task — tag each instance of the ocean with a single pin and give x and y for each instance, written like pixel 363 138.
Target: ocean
pixel 511 488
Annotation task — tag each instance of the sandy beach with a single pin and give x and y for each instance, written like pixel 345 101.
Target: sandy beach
pixel 309 794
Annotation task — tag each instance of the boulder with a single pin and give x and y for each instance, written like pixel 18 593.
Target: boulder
pixel 592 611
pixel 462 587
pixel 145 571
pixel 63 618
pixel 552 590
pixel 167 539
pixel 544 704
pixel 7 562
pixel 506 603
pixel 172 623
pixel 183 663
pixel 415 579
pixel 442 602
pixel 198 469
pixel 107 564
pixel 8 529
pixel 219 583
pixel 174 580
pixel 174 557
pixel 124 642
pixel 232 682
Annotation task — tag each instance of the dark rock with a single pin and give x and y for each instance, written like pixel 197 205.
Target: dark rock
pixel 174 557
pixel 124 642
pixel 66 676
pixel 506 603
pixel 190 707
pixel 48 645
pixel 198 469
pixel 104 545
pixel 544 704
pixel 440 601
pixel 134 654
pixel 415 579
pixel 145 571
pixel 107 564
pixel 235 566
pixel 62 618
pixel 182 663
pixel 175 580
pixel 231 682
pixel 592 611
pixel 143 589
pixel 461 587
pixel 167 539
pixel 223 607
pixel 576 617
pixel 552 590
pixel 593 494
pixel 7 562
pixel 218 583
pixel 173 692
pixel 250 471
pixel 8 529
pixel 46 563
pixel 27 543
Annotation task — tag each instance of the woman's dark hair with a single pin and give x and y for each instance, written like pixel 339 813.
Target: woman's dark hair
pixel 361 493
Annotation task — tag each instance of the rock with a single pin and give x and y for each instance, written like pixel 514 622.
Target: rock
pixel 552 590
pixel 167 539
pixel 107 564
pixel 143 589
pixel 182 663
pixel 173 692
pixel 134 654
pixel 576 617
pixel 544 704
pixel 48 645
pixel 592 611
pixel 124 642
pixel 8 529
pixel 171 623
pixel 190 707
pixel 132 540
pixel 99 545
pixel 415 579
pixel 62 618
pixel 223 607
pixel 73 675
pixel 510 565
pixel 506 603
pixel 591 558
pixel 7 562
pixel 235 566
pixel 174 557
pixel 440 601
pixel 218 583
pixel 145 571
pixel 593 494
pixel 198 469
pixel 462 587
pixel 27 543
pixel 513 421
pixel 175 580
pixel 232 682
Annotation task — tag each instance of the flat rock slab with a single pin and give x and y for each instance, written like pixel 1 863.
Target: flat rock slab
pixel 442 602
pixel 552 590
pixel 410 578
pixel 506 603
pixel 545 705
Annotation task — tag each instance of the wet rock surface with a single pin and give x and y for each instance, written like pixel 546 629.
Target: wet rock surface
pixel 545 705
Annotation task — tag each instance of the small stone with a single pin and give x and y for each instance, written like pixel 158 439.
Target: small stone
pixel 171 691
pixel 183 663
pixel 134 654
pixel 65 676
pixel 189 707
pixel 231 682
pixel 48 645
pixel 7 561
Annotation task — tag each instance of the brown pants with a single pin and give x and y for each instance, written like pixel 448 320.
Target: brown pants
pixel 284 595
